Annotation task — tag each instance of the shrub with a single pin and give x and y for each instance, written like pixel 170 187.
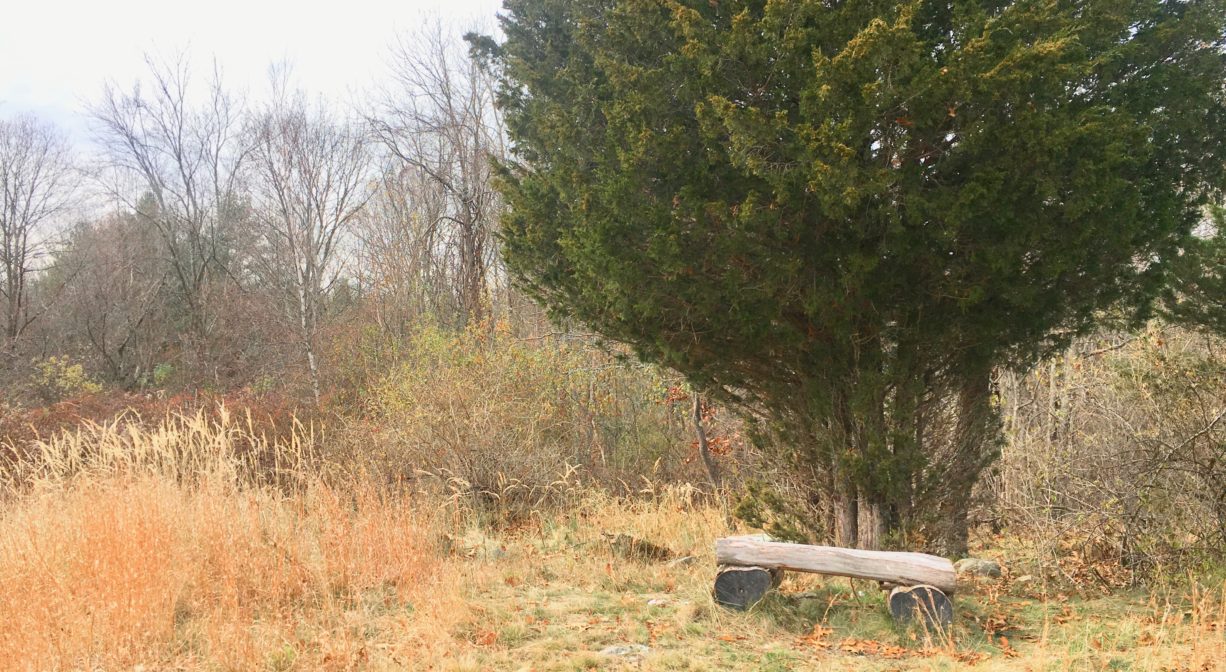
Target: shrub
pixel 1120 447
pixel 57 378
pixel 504 419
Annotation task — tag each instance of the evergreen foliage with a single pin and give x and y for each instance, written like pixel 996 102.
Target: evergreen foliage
pixel 1197 293
pixel 841 217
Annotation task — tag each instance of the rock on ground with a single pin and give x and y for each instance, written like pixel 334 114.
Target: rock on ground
pixel 978 567
pixel 625 650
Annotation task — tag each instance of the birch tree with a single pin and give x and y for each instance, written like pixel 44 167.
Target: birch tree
pixel 311 182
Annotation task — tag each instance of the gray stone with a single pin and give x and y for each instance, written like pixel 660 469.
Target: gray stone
pixel 978 567
pixel 625 651
pixel 925 606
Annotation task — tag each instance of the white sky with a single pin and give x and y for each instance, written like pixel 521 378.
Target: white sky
pixel 55 55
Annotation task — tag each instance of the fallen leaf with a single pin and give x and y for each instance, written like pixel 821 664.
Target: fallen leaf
pixel 971 657
pixel 487 638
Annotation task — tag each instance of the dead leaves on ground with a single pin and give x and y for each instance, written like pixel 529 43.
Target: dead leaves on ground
pixel 995 623
pixel 970 657
pixel 819 639
pixel 486 638
pixel 872 647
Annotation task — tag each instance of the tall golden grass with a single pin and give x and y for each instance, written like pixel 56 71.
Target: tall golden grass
pixel 165 546
pixel 197 543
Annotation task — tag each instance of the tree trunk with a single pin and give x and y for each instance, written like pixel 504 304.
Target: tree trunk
pixel 314 371
pixel 846 512
pixel 703 449
pixel 306 323
pixel 742 587
pixel 969 459
pixel 925 606
pixel 872 524
pixel 957 530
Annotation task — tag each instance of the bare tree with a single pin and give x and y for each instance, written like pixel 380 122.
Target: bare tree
pixel 311 181
pixel 114 313
pixel 402 249
pixel 184 154
pixel 35 187
pixel 118 311
pixel 441 130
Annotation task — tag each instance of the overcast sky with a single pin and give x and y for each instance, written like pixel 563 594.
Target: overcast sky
pixel 55 55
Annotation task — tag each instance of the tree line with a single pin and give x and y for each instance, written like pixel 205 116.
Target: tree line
pixel 224 238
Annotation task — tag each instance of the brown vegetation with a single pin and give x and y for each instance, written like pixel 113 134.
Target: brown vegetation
pixel 1115 451
pixel 165 545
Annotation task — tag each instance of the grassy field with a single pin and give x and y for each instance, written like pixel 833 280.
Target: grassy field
pixel 158 549
pixel 558 598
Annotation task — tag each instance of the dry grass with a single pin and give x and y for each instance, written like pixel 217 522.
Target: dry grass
pixel 159 547
pixel 198 545
pixel 552 596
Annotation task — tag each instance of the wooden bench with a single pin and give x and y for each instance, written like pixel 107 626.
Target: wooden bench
pixel 751 566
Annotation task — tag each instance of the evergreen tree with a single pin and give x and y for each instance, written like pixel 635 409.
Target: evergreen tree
pixel 1197 293
pixel 841 217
